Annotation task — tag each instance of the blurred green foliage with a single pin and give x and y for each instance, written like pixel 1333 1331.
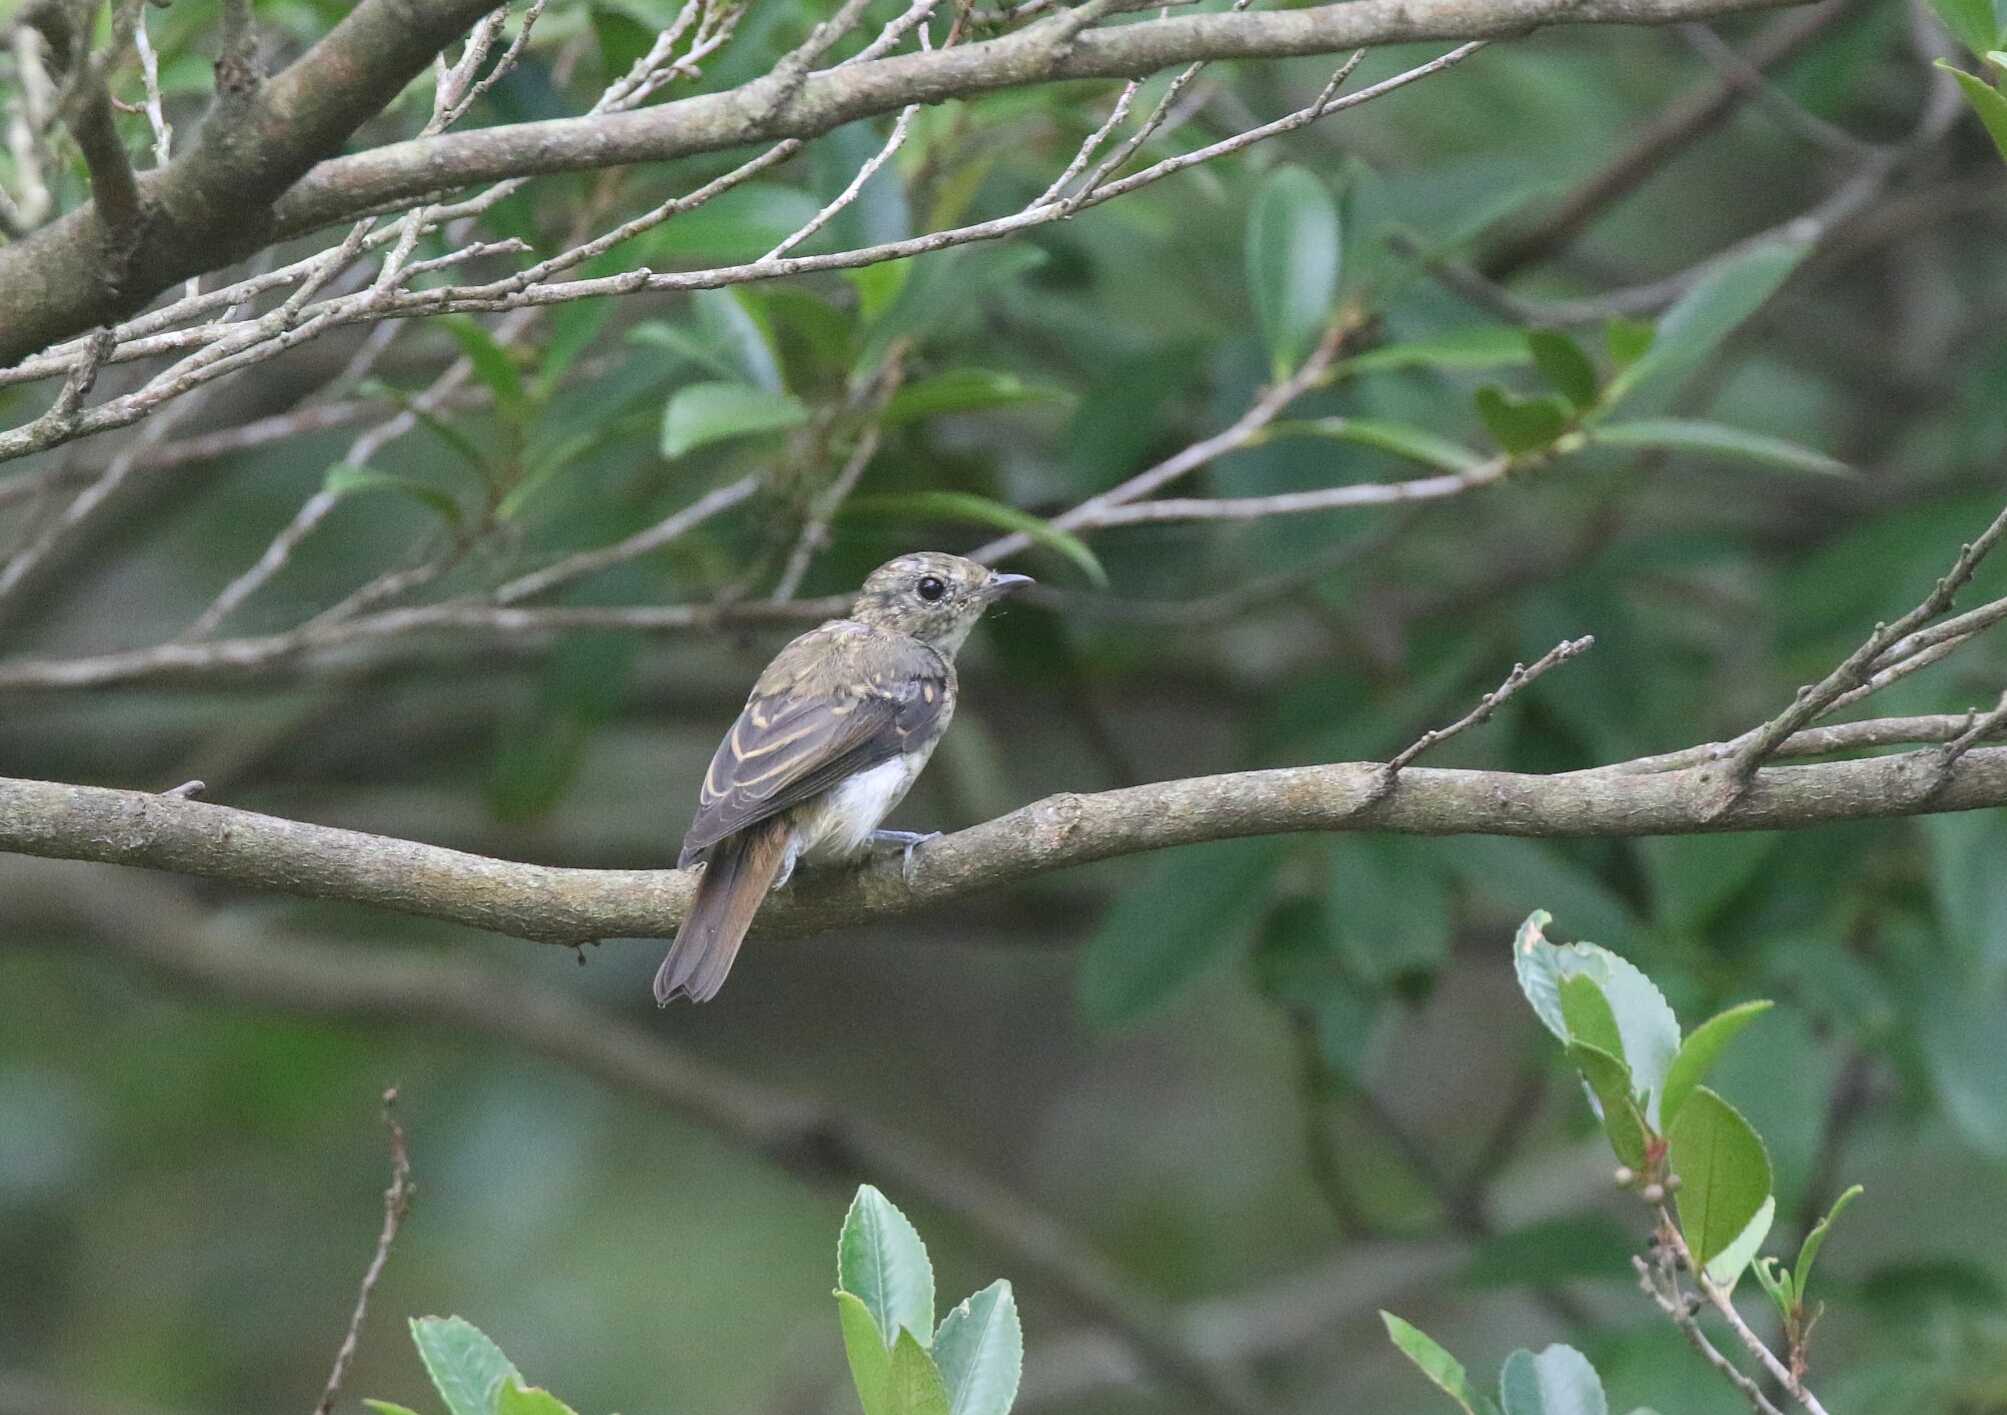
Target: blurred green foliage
pixel 187 1189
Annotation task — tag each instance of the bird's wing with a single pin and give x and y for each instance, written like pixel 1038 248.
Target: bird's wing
pixel 838 700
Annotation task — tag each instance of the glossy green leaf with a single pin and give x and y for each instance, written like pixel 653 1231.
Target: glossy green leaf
pixel 981 511
pixel 1478 346
pixel 1435 1363
pixel 966 390
pixel 1971 21
pixel 1402 439
pixel 1733 289
pixel 466 1367
pixel 1521 425
pixel 1715 440
pixel 493 366
pixel 515 1398
pixel 1559 1381
pixel 1645 1022
pixel 1609 1081
pixel 1565 367
pixel 1293 247
pixel 388 1407
pixel 1698 1053
pixel 1725 1268
pixel 1808 1251
pixel 1588 1015
pixel 343 479
pixel 881 1260
pixel 979 1351
pixel 703 413
pixel 864 1348
pixel 1171 927
pixel 1724 1173
pixel 916 1386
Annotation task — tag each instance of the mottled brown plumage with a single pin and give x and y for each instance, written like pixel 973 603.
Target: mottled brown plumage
pixel 831 738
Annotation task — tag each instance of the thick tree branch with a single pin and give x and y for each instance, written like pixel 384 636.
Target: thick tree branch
pixel 573 905
pixel 213 199
pixel 211 206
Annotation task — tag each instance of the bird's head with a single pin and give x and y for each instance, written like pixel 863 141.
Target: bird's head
pixel 936 598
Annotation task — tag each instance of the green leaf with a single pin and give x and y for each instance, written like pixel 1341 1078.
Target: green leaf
pixel 344 480
pixel 515 1398
pixel 1959 1025
pixel 1559 1381
pixel 1588 1015
pixel 964 506
pixel 1724 1173
pixel 1698 1053
pixel 1609 1081
pixel 916 1387
pixel 980 1352
pixel 1972 21
pixel 1725 1269
pixel 1402 439
pixel 878 286
pixel 1535 962
pixel 1732 290
pixel 1521 425
pixel 1969 890
pixel 1646 1024
pixel 1389 907
pixel 493 366
pixel 944 286
pixel 1690 435
pixel 1166 931
pixel 702 413
pixel 1628 339
pixel 864 1347
pixel 1565 367
pixel 388 1407
pixel 471 452
pixel 1808 1252
pixel 1435 1363
pixel 880 1259
pixel 466 1367
pixel 1775 1280
pixel 1506 870
pixel 1478 346
pixel 966 390
pixel 1293 249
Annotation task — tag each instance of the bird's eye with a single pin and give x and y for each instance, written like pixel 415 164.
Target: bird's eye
pixel 931 588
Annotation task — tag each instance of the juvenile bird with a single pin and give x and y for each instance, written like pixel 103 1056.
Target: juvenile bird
pixel 832 737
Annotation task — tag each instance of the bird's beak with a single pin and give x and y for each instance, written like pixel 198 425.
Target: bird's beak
pixel 1000 585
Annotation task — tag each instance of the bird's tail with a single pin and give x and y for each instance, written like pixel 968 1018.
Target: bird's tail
pixel 742 869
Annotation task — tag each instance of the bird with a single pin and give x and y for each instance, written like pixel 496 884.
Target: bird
pixel 831 738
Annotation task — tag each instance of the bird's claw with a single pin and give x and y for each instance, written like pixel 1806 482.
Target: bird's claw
pixel 906 842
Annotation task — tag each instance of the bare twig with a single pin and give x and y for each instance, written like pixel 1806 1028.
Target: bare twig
pixel 1815 698
pixel 396 1204
pixel 1670 1236
pixel 1663 1288
pixel 590 562
pixel 1521 675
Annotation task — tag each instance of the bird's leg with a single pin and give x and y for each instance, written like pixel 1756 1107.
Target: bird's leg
pixel 905 842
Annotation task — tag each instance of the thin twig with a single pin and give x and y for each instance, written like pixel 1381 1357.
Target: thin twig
pixel 396 1204
pixel 1654 1285
pixel 1853 672
pixel 1670 1235
pixel 1521 675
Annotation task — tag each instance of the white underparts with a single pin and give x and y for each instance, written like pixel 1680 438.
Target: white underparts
pixel 837 825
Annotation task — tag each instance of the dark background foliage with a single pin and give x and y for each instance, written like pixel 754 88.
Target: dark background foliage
pixel 1226 1068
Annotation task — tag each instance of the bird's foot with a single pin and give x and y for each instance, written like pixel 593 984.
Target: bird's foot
pixel 905 842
